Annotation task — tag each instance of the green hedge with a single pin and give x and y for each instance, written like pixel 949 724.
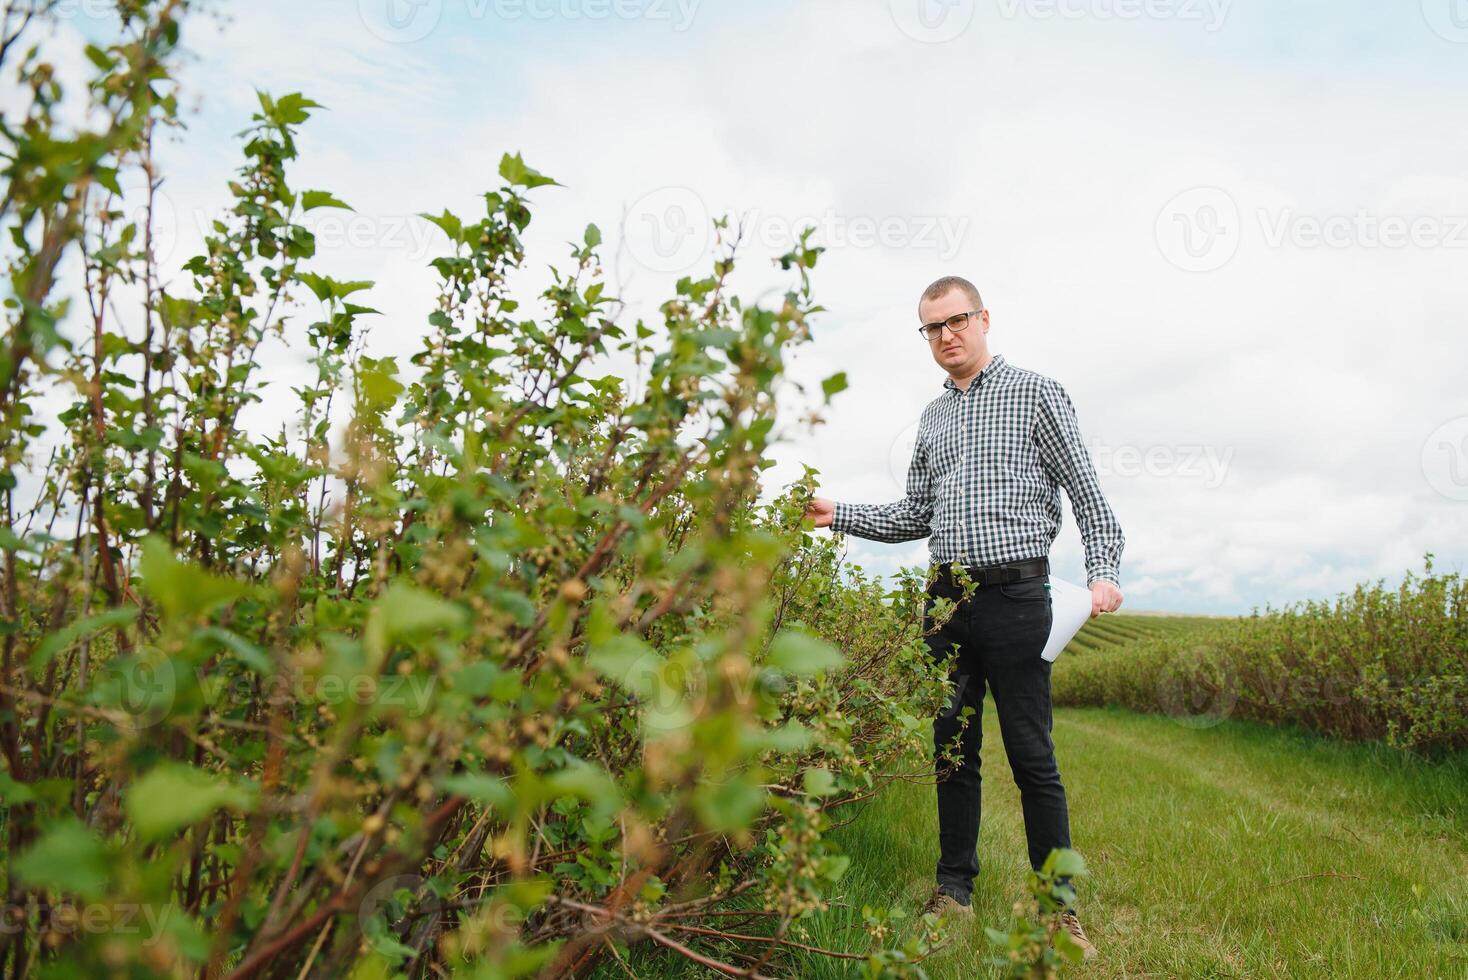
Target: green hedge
pixel 1379 663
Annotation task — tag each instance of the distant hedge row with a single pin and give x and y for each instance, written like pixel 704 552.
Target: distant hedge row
pixel 1379 663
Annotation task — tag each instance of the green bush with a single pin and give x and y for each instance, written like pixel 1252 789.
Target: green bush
pixel 1380 663
pixel 513 675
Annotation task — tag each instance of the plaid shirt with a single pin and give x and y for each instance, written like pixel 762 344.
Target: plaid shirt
pixel 984 485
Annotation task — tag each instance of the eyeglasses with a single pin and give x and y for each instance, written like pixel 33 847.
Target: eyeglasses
pixel 955 323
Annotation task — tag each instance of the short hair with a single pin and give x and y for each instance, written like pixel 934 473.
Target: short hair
pixel 946 285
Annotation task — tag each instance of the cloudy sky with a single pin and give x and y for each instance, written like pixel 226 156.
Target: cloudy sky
pixel 1235 230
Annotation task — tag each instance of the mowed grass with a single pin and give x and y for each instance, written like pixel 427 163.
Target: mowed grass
pixel 1228 851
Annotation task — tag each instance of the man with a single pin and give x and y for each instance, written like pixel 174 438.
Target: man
pixel 993 451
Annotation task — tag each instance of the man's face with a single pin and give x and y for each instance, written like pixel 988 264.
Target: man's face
pixel 960 354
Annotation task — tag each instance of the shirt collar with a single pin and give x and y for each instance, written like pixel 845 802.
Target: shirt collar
pixel 995 366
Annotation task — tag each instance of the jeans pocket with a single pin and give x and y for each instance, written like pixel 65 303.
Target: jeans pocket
pixel 1036 589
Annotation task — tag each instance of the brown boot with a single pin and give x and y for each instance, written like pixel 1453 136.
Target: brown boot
pixel 1078 933
pixel 945 906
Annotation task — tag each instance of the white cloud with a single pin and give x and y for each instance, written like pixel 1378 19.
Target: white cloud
pixel 1316 372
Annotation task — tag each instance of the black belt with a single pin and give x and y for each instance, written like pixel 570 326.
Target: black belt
pixel 1011 571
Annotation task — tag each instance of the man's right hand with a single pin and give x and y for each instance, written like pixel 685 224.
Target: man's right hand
pixel 821 510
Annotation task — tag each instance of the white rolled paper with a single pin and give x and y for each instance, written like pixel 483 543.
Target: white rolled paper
pixel 1071 606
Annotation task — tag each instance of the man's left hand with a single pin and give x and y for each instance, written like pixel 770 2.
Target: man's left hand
pixel 1105 597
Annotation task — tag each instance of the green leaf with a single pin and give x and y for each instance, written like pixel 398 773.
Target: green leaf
pixel 477 679
pixel 1066 863
pixel 188 936
pixel 789 737
pixel 835 866
pixel 834 384
pixel 71 632
pixel 593 236
pixel 100 58
pixel 182 590
pixel 482 787
pixel 1066 946
pixel 321 199
pixel 247 652
pixel 798 652
pixel 719 337
pixel 107 177
pixel 13 793
pixel 448 223
pixel 68 859
pixel 728 806
pixel 380 385
pixel 517 604
pixel 629 663
pixel 819 782
pixel 173 796
pixel 515 172
pixel 288 110
pixel 326 287
pixel 587 782
pixel 407 610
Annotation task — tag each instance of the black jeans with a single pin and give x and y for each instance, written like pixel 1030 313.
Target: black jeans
pixel 995 639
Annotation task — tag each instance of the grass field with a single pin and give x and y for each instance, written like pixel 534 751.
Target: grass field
pixel 1236 850
pixel 1107 632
